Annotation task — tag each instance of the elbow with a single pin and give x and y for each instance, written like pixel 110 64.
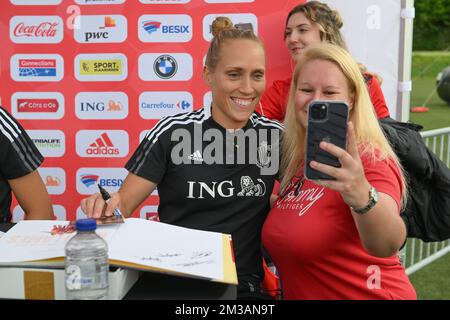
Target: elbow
pixel 380 251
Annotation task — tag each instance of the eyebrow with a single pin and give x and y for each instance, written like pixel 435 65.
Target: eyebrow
pixel 299 25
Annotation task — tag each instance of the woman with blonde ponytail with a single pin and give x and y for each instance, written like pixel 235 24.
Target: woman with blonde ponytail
pixel 337 239
pixel 215 183
pixel 306 24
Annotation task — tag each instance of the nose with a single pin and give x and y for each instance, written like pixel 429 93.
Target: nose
pixel 292 37
pixel 246 85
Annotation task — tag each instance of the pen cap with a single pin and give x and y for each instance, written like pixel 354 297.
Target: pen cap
pixel 104 193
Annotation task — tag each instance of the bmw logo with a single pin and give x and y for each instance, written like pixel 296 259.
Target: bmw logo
pixel 165 66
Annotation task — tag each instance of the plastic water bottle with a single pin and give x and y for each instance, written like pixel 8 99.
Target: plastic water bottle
pixel 86 264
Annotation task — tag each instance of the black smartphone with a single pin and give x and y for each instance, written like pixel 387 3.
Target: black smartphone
pixel 327 121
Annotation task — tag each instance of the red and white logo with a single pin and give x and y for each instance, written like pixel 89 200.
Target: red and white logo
pixel 37 105
pixel 36 29
pixel 98 143
pixel 54 179
pixel 149 213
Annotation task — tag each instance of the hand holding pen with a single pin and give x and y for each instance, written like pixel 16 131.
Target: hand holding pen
pixel 106 197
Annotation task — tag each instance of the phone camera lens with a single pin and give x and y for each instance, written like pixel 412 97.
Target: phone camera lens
pixel 319 111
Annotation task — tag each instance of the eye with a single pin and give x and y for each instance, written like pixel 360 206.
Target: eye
pixel 258 76
pixel 233 75
pixel 303 30
pixel 305 90
pixel 287 33
pixel 330 93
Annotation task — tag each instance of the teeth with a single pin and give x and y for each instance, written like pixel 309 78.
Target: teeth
pixel 242 102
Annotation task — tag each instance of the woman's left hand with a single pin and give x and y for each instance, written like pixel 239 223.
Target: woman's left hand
pixel 350 181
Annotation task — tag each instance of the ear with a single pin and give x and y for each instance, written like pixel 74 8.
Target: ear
pixel 207 76
pixel 351 103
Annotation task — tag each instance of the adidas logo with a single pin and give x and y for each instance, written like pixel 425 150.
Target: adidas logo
pixel 196 156
pixel 102 145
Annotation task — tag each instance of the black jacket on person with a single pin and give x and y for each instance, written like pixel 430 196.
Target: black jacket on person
pixel 427 213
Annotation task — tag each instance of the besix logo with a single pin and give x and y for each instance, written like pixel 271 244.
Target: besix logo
pixel 101 143
pixel 165 28
pixel 109 178
pixel 36 29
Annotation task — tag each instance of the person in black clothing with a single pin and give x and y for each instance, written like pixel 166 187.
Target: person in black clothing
pixel 19 159
pixel 221 180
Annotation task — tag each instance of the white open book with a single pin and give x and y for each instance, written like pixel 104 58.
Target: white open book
pixel 137 244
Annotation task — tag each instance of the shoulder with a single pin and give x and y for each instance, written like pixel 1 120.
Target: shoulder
pixel 9 127
pixel 259 121
pixel 179 121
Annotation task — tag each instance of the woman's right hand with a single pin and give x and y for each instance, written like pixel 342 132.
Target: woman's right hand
pixel 94 206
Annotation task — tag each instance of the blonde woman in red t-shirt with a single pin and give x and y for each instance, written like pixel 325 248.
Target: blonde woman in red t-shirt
pixel 337 239
pixel 306 24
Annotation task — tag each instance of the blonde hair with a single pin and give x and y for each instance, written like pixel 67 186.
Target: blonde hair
pixel 329 21
pixel 223 29
pixel 369 134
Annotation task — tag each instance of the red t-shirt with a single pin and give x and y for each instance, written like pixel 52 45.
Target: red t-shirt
pixel 313 241
pixel 274 100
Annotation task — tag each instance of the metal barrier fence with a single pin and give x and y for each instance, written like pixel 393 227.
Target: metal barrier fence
pixel 417 254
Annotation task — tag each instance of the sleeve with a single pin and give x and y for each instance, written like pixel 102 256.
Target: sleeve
pixel 150 159
pixel 385 176
pixel 377 98
pixel 19 156
pixel 273 101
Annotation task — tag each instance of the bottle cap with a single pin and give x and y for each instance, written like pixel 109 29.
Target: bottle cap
pixel 86 224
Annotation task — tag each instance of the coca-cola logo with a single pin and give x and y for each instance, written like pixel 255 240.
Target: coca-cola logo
pixel 44 29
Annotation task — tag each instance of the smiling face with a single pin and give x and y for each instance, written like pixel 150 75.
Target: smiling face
pixel 237 82
pixel 299 33
pixel 320 80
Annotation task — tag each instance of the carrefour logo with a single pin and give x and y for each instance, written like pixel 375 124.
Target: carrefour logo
pixel 166 66
pixel 165 28
pixel 158 104
pixel 109 178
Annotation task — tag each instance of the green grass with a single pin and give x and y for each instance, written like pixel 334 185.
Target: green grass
pixel 433 281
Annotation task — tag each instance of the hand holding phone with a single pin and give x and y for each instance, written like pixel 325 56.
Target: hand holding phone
pixel 327 121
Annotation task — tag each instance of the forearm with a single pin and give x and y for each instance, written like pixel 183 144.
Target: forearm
pixel 381 229
pixel 133 192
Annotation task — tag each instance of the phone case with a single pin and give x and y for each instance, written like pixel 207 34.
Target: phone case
pixel 333 129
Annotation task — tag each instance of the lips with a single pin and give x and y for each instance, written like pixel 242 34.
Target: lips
pixel 243 103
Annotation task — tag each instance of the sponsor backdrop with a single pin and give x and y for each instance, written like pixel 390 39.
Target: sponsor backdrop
pixel 88 78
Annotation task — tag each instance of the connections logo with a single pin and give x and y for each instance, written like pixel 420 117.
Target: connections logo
pixel 37 67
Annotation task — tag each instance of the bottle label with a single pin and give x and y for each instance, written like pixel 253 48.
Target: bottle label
pixel 73 277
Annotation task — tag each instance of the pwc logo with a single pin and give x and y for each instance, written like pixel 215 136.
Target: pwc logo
pixel 109 178
pixel 37 105
pixel 158 104
pixel 101 67
pixel 51 143
pixel 101 105
pixel 166 66
pixel 245 20
pixel 102 144
pixel 37 67
pixel 165 28
pixel 36 29
pixel 100 29
pixel 54 179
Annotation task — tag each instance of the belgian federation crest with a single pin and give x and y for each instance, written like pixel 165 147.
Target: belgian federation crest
pixel 165 66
